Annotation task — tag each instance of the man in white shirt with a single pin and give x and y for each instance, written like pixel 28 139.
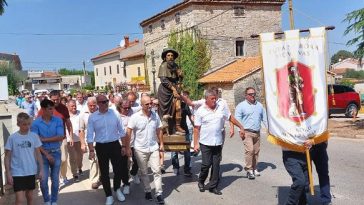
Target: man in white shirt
pixel 81 102
pixel 94 175
pixel 132 98
pixel 146 127
pixel 209 121
pixel 75 152
pixel 106 129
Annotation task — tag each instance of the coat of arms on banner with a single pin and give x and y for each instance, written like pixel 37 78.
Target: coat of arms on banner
pixel 295 91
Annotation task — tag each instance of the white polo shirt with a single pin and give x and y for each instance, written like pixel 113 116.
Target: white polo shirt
pixel 75 121
pixel 125 119
pixel 211 122
pixel 144 129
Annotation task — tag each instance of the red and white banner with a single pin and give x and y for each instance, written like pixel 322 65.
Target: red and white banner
pixel 295 87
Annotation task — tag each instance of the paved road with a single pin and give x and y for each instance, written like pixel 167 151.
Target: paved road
pixel 346 171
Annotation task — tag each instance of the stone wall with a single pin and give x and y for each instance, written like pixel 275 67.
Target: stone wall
pixel 219 25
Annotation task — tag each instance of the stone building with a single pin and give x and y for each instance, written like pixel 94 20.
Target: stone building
pixel 234 77
pixel 123 64
pixel 226 24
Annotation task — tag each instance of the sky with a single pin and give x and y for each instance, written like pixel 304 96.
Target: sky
pixel 56 34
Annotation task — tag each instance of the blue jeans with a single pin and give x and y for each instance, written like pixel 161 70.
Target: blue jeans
pixel 187 157
pixel 296 166
pixel 55 168
pixel 321 160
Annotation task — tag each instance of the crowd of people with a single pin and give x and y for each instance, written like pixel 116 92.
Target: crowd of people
pixel 57 130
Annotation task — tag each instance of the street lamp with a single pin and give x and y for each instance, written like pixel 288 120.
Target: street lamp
pixel 154 83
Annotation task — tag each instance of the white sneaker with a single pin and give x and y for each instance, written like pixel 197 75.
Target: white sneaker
pixel 136 179
pixel 256 173
pixel 126 189
pixel 47 203
pixel 176 172
pixel 120 195
pixel 109 200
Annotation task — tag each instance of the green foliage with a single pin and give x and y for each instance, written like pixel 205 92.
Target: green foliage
pixel 347 83
pixel 65 71
pixel 14 78
pixel 341 54
pixel 356 25
pixel 2 6
pixel 89 87
pixel 351 73
pixel 194 59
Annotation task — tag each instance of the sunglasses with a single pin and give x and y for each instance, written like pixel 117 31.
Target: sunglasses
pixel 103 102
pixel 251 94
pixel 147 104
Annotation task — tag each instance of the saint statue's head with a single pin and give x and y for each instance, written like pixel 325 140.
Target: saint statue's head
pixel 169 54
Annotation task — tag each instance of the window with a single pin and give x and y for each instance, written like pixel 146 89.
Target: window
pixel 239 11
pixel 104 70
pixel 124 70
pixel 117 69
pixel 239 48
pixel 150 28
pixel 163 25
pixel 110 69
pixel 177 17
pixel 97 72
pixel 139 73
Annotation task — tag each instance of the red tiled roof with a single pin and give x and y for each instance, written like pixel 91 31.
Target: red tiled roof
pixel 115 50
pixel 185 3
pixel 339 71
pixel 48 74
pixel 234 71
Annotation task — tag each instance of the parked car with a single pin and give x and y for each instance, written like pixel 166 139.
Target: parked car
pixel 343 100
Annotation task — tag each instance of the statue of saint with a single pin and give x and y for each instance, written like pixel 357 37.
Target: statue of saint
pixel 295 92
pixel 170 75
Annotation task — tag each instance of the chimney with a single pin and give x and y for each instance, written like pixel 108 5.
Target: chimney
pixel 126 40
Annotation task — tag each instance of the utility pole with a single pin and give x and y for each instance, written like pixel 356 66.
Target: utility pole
pixel 291 19
pixel 84 73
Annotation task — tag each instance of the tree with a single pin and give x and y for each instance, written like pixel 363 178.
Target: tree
pixel 14 78
pixel 341 55
pixel 65 71
pixel 2 6
pixel 356 25
pixel 194 59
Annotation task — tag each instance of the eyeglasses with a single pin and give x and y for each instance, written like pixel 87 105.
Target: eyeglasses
pixel 103 102
pixel 251 94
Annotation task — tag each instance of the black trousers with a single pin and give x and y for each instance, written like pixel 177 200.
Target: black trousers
pixel 296 166
pixel 125 170
pixel 109 152
pixel 134 167
pixel 211 156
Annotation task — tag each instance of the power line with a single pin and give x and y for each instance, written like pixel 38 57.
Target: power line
pixel 68 34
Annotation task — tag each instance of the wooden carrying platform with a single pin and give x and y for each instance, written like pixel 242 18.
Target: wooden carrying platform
pixel 175 143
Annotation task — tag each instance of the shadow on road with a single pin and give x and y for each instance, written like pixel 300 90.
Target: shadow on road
pixel 282 194
pixel 261 166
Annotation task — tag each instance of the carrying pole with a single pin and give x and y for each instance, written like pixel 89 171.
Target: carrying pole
pixel 309 168
pixel 291 18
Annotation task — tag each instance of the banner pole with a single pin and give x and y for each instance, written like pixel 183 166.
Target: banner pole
pixel 309 171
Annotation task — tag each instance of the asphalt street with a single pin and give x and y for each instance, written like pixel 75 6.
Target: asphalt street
pixel 346 172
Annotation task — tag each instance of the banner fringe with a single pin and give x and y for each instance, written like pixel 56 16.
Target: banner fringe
pixel 294 147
